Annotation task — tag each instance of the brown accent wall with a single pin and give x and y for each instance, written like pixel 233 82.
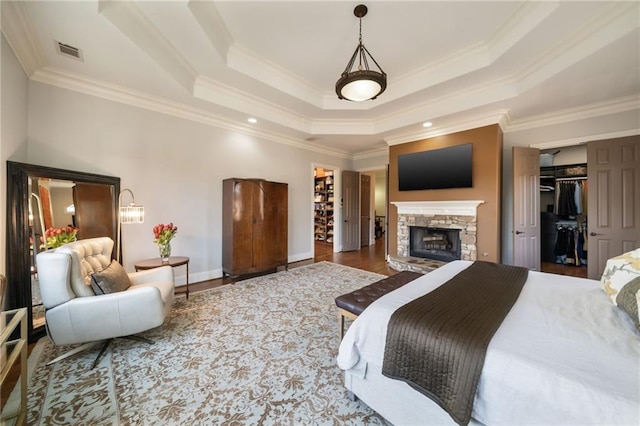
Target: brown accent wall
pixel 487 175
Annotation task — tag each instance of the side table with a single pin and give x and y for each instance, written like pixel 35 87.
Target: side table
pixel 174 261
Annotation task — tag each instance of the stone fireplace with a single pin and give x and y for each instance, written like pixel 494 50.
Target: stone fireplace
pixel 459 217
pixel 434 243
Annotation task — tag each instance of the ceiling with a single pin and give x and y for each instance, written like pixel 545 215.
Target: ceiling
pixel 456 64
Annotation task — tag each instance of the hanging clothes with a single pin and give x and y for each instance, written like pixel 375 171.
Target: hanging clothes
pixel 570 242
pixel 570 197
pixel 578 197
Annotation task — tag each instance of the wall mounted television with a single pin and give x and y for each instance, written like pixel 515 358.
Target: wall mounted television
pixel 442 168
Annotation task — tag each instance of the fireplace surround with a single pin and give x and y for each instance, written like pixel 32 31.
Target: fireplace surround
pixel 448 215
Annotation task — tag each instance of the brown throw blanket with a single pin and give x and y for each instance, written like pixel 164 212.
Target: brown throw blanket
pixel 437 343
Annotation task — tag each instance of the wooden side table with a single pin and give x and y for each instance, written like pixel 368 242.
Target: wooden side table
pixel 174 261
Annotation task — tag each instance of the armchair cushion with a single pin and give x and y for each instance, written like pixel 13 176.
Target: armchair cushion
pixel 87 256
pixel 112 279
pixel 75 314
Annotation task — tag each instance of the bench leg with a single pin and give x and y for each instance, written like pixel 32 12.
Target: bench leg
pixel 341 325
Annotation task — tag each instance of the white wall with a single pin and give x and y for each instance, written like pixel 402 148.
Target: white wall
pixel 13 128
pixel 175 168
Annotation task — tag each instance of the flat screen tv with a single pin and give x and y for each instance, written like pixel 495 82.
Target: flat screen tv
pixel 436 169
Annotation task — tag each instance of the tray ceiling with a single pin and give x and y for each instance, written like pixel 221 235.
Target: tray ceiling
pixel 456 64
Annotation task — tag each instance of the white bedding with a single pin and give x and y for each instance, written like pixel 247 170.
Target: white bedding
pixel 563 355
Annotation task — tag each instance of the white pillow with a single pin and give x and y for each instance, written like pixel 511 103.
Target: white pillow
pixel 619 271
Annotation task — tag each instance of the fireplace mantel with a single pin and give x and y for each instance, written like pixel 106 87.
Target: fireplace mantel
pixel 451 208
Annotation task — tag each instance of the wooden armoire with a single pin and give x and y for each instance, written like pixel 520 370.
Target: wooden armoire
pixel 254 226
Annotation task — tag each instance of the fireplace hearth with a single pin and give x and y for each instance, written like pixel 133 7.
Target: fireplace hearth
pixel 434 243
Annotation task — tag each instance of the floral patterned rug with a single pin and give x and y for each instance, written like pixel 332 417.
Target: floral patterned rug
pixel 261 351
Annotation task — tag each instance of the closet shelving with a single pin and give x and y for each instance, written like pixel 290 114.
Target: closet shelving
pixel 563 231
pixel 323 208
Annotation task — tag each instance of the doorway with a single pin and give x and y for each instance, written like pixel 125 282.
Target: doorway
pixel 563 211
pixel 374 209
pixel 323 206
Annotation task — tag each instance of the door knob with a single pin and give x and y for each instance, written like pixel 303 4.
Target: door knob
pixel 519 232
pixel 593 234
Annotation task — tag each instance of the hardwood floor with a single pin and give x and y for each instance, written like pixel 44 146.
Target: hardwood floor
pixel 557 268
pixel 369 258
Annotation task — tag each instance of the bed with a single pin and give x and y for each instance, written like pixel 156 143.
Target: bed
pixel 563 355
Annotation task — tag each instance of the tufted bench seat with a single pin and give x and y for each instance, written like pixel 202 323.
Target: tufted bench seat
pixel 352 304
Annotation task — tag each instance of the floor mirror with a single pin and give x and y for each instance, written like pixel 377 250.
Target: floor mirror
pixel 40 198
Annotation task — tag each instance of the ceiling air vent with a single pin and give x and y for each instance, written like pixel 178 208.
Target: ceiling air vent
pixel 69 51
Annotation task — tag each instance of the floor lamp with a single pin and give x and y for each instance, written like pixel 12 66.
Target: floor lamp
pixel 131 213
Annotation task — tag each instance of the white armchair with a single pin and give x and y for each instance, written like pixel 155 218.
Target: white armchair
pixel 75 314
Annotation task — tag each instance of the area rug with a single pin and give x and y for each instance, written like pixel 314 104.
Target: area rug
pixel 261 351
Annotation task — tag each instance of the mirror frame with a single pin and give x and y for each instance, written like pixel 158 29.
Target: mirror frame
pixel 18 260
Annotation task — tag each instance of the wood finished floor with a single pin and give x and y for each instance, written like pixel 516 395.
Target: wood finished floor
pixel 559 269
pixel 369 258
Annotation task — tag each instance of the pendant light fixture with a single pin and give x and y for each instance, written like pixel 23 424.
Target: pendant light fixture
pixel 362 83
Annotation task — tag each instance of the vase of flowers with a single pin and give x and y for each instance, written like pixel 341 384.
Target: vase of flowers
pixel 56 237
pixel 163 235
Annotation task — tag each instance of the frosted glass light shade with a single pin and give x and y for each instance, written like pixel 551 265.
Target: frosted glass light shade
pixel 361 90
pixel 361 86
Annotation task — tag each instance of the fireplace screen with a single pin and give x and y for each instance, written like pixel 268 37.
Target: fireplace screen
pixel 434 243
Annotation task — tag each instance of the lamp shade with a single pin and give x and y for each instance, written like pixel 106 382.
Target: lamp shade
pixel 132 214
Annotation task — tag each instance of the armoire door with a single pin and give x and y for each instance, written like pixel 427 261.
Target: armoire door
pixel 243 207
pixel 270 232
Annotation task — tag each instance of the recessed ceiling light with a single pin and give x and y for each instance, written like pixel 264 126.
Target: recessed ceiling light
pixel 252 120
pixel 427 124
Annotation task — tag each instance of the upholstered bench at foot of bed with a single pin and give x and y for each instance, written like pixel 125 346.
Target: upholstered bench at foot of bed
pixel 352 304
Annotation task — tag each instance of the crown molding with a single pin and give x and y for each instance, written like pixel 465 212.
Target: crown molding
pixel 525 20
pixel 497 117
pixel 509 125
pixel 467 60
pixel 602 30
pixel 221 94
pixel 273 75
pixel 378 152
pixel 212 24
pixel 584 139
pixel 21 37
pixel 130 20
pixel 250 63
pixel 464 100
pixel 137 99
pixel 627 103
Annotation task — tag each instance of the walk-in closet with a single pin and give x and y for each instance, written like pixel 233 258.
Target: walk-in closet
pixel 323 200
pixel 563 201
